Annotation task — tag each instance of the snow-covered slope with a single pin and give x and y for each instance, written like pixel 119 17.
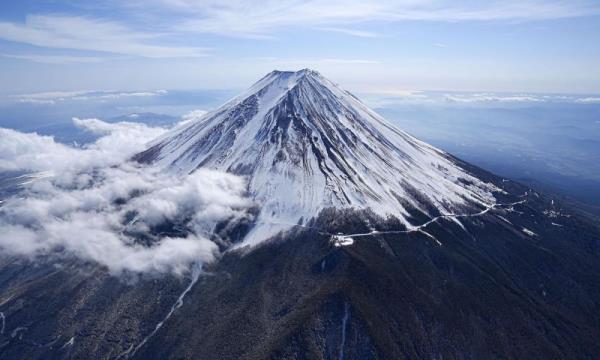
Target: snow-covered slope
pixel 305 144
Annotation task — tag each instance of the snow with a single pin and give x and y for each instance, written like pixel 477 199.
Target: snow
pixel 430 236
pixel 71 342
pixel 17 330
pixel 344 330
pixel 304 145
pixel 504 219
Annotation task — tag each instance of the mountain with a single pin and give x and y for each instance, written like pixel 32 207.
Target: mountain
pixel 367 244
pixel 305 145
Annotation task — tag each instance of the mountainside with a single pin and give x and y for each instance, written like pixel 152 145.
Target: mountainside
pixel 305 145
pixel 403 252
pixel 490 290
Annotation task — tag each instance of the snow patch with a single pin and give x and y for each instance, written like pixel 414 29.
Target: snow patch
pixel 344 330
pixel 71 342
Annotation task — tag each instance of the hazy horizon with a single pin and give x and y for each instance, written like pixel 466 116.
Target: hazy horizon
pixel 549 139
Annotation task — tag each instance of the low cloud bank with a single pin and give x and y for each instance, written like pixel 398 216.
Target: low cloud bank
pixel 53 97
pixel 383 98
pixel 99 207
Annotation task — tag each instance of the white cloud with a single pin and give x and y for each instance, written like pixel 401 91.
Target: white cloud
pixel 490 97
pixel 52 97
pixel 117 95
pixel 390 97
pixel 193 115
pixel 81 33
pixel 98 206
pixel 387 97
pixel 247 19
pixel 588 100
pixel 352 32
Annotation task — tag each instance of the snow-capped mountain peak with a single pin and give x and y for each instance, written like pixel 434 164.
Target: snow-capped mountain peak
pixel 305 144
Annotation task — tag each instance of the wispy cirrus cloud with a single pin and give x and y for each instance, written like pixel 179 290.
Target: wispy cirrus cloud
pixel 246 19
pixel 352 32
pixel 83 33
pixel 383 29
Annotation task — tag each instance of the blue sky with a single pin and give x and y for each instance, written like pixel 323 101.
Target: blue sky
pixel 377 46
